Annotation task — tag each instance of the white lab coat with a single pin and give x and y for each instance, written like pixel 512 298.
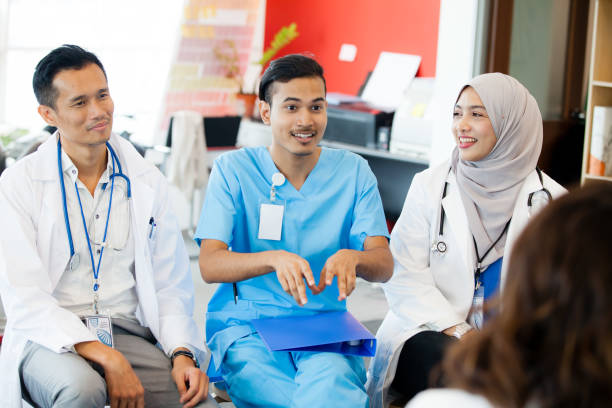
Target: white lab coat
pixel 448 398
pixel 36 252
pixel 431 291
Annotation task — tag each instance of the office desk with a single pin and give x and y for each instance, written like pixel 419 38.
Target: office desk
pixel 394 173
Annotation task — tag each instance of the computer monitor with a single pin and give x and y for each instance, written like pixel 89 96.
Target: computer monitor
pixel 221 131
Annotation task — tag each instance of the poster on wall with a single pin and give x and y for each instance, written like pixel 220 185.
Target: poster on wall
pixel 217 43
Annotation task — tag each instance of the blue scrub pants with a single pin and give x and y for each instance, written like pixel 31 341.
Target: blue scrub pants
pixel 256 377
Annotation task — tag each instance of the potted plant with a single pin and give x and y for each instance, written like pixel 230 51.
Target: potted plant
pixel 227 53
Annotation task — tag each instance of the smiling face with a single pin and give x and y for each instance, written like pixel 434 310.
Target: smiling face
pixel 297 115
pixel 83 110
pixel 472 127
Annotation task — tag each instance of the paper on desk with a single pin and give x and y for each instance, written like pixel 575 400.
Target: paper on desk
pixel 390 78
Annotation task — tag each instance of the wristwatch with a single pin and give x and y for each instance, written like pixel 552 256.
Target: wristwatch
pixel 461 329
pixel 185 353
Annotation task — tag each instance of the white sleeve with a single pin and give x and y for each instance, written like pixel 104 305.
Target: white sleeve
pixel 173 281
pixel 448 398
pixel 25 284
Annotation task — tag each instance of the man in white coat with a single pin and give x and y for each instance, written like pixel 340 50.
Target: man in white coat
pixel 95 277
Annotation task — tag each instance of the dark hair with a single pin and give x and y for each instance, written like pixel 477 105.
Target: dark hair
pixel 285 69
pixel 551 344
pixel 62 58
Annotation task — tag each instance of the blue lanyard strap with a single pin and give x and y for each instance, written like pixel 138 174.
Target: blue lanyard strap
pixel 96 268
pixel 63 186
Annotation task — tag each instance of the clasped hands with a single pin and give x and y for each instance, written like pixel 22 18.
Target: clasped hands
pixel 293 273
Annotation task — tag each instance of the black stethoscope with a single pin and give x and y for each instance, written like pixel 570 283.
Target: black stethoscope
pixel 535 201
pixel 74 257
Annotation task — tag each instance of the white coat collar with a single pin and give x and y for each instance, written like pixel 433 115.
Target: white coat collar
pixel 45 167
pixel 134 166
pixel 520 218
pixel 455 213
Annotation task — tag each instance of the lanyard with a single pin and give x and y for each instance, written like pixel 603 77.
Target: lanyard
pixel 95 268
pixel 480 259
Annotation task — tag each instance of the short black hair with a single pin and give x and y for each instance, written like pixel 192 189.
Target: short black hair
pixel 285 69
pixel 67 56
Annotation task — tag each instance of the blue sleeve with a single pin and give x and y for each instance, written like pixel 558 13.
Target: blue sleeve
pixel 217 218
pixel 368 214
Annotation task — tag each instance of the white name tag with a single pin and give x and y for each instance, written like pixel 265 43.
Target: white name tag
pixel 101 327
pixel 270 221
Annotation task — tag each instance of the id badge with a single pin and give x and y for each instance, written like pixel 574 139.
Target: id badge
pixel 101 327
pixel 477 312
pixel 271 220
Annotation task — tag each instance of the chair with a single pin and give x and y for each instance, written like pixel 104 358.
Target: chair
pixel 189 137
pixel 187 166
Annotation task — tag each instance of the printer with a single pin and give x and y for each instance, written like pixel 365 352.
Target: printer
pixel 357 123
pixel 412 129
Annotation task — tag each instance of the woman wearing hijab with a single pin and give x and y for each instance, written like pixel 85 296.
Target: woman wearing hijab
pixel 550 344
pixel 457 226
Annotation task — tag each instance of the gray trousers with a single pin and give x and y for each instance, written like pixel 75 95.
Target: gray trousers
pixel 50 379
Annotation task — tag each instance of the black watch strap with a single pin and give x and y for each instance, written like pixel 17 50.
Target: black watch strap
pixel 185 353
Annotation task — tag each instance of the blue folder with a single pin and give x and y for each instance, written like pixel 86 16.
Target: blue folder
pixel 336 332
pixel 213 374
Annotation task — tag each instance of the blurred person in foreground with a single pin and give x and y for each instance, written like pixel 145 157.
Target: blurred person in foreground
pixel 551 345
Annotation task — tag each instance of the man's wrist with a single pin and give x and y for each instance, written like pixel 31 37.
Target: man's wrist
pixel 183 353
pixel 96 352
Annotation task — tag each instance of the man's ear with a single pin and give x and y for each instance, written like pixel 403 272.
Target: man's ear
pixel 264 111
pixel 48 114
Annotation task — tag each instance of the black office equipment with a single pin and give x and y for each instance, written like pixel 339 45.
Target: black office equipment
pixel 356 123
pixel 220 131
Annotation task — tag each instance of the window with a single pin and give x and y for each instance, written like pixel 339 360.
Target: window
pixel 134 39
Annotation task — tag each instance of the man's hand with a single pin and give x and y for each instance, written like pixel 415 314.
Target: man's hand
pixel 191 382
pixel 123 386
pixel 342 265
pixel 291 270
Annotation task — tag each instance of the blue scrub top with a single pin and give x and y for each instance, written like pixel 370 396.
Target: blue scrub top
pixel 337 208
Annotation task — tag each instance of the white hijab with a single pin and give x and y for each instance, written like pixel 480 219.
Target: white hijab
pixel 489 187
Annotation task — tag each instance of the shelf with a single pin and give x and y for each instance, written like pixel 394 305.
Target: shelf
pixel 590 178
pixel 602 84
pixel 600 78
pixel 385 154
pixel 602 52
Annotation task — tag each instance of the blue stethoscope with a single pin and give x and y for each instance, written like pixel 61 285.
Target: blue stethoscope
pixel 74 257
pixel 535 201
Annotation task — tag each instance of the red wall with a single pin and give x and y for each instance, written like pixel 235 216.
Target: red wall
pixel 406 26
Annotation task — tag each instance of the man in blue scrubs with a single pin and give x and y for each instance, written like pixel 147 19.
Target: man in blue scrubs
pixel 292 226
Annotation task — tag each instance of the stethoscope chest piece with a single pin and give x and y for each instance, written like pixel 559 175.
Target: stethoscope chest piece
pixel 439 247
